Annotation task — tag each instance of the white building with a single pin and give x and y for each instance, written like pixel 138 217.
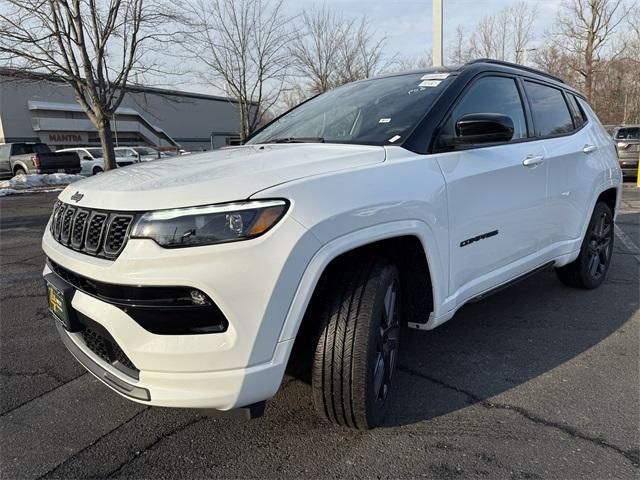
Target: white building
pixel 35 108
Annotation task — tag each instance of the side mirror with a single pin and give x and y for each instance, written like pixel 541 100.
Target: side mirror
pixel 475 128
pixel 87 157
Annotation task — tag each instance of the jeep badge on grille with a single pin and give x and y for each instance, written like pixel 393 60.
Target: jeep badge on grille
pixel 76 197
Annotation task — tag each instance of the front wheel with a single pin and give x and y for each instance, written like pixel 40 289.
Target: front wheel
pixel 590 268
pixel 356 350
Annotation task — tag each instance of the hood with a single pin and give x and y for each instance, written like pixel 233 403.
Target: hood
pixel 215 177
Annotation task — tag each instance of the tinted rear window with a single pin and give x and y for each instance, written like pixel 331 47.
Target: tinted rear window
pixel 551 114
pixel 28 148
pixel 632 133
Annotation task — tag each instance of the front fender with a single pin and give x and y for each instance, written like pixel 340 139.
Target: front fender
pixel 356 239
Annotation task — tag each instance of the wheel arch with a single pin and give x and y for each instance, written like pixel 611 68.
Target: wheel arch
pixel 19 164
pixel 408 241
pixel 610 197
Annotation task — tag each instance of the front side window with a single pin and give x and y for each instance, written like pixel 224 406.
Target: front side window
pixel 489 95
pixel 380 111
pixel 550 112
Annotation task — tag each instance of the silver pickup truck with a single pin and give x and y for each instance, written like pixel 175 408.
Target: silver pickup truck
pixel 27 157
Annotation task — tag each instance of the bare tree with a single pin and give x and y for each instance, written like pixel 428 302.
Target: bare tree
pixel 403 64
pixel 502 36
pixel 92 46
pixel 459 50
pixel 333 50
pixel 585 28
pixel 243 45
pixel 523 19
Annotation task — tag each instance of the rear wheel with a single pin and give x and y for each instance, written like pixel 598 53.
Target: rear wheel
pixel 19 171
pixel 590 268
pixel 357 344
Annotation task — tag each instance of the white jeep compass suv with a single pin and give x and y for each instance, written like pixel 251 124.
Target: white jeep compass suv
pixel 382 203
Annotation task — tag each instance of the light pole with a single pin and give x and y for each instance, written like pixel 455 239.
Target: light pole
pixel 524 52
pixel 437 32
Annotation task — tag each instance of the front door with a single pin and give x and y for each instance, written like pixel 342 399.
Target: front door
pixel 496 194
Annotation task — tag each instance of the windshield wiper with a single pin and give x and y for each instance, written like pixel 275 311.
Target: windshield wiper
pixel 297 140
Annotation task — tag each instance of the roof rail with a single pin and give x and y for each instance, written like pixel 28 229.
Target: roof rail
pixel 515 65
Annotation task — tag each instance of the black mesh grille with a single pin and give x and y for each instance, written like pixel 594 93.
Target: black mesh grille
pixel 106 348
pixel 95 232
pixel 66 224
pixel 79 226
pixel 117 234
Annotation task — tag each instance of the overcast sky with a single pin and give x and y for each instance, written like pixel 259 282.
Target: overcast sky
pixel 407 23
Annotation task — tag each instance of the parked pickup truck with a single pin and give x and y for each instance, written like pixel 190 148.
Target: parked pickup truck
pixel 25 157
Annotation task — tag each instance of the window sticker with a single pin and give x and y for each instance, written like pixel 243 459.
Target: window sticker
pixel 395 138
pixel 435 76
pixel 384 120
pixel 430 83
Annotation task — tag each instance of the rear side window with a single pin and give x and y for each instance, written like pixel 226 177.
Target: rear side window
pixel 20 149
pixel 579 117
pixel 550 112
pixel 41 148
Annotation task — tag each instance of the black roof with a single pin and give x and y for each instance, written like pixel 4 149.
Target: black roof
pixel 487 64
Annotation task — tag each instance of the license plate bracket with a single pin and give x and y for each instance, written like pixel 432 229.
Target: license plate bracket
pixel 59 297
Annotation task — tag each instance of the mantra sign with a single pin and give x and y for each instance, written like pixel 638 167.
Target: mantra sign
pixel 64 138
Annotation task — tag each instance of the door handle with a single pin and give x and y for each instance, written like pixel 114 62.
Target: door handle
pixel 533 161
pixel 589 148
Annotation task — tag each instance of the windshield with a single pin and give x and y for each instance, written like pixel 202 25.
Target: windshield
pixel 145 151
pixel 381 111
pixel 628 134
pixel 95 152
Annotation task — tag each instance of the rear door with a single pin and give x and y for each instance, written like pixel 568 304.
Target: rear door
pixel 496 202
pixel 572 156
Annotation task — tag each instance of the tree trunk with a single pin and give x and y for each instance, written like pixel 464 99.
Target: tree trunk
pixel 106 140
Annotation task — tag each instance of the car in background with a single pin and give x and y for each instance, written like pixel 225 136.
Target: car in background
pixel 138 154
pixel 23 158
pixel 627 138
pixel 91 159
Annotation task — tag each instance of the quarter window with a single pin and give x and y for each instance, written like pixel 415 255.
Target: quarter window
pixel 550 112
pixel 579 118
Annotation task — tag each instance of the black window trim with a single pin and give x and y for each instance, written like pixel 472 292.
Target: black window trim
pixel 564 93
pixel 523 101
pixel 580 113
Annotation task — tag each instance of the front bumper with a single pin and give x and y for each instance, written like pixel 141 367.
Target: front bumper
pixel 252 283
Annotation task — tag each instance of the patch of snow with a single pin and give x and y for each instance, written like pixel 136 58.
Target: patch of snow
pixel 36 183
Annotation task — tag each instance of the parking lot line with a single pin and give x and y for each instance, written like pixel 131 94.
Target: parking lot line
pixel 628 242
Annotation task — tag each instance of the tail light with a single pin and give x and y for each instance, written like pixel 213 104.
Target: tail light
pixel 36 161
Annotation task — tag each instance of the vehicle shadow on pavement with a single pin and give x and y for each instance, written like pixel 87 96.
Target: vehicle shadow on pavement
pixel 506 340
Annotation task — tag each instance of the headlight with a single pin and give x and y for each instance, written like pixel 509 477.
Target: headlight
pixel 189 227
pixel 622 145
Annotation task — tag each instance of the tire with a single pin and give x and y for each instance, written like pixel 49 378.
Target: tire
pixel 19 171
pixel 97 170
pixel 590 269
pixel 356 349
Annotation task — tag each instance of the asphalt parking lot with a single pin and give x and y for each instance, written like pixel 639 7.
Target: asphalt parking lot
pixel 537 381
